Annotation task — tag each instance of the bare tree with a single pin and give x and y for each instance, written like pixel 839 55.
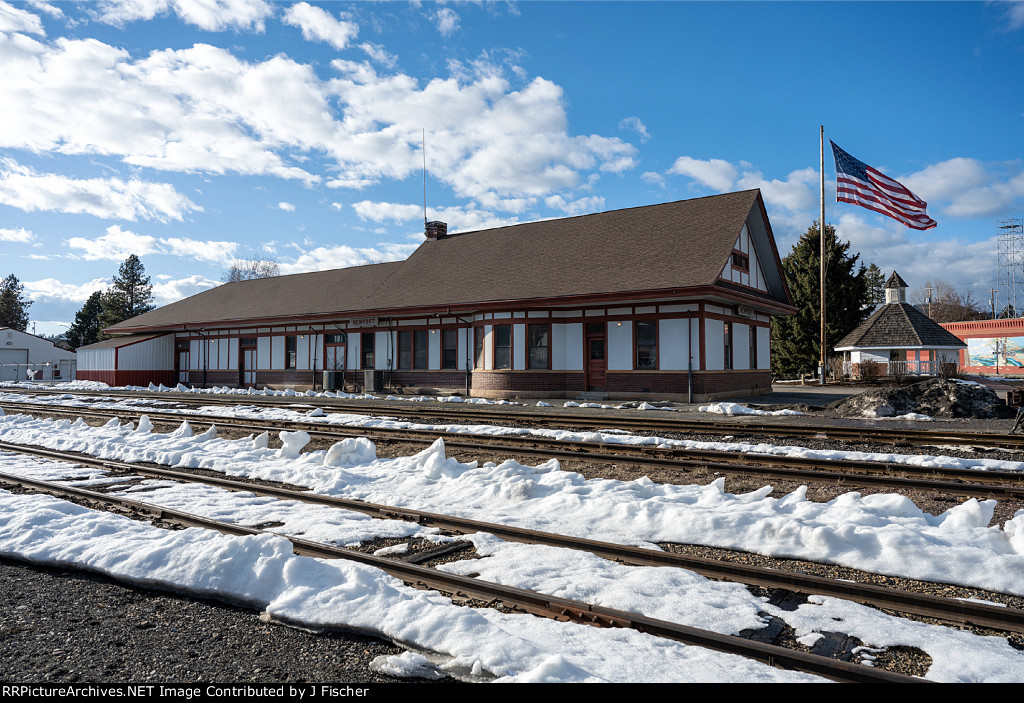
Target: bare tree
pixel 947 303
pixel 248 269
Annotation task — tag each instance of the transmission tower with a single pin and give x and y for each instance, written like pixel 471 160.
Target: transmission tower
pixel 1010 273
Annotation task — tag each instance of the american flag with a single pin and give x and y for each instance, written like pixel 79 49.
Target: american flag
pixel 862 185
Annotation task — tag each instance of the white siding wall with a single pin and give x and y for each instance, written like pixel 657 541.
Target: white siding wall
pixel 620 346
pixel 740 346
pixel 39 350
pixel 764 341
pixel 714 351
pixel 464 334
pixel 567 347
pixel 673 345
pixel 263 352
pixel 518 346
pixel 434 349
pixel 153 354
pixel 96 360
pixel 277 353
pixel 353 351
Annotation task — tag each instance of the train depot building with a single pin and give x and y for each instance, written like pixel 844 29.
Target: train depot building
pixel 670 301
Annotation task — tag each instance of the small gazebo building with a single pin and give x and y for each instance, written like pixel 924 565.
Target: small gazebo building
pixel 898 339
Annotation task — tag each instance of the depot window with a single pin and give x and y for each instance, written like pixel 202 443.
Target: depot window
pixel 539 347
pixel 449 349
pixel 647 345
pixel 503 346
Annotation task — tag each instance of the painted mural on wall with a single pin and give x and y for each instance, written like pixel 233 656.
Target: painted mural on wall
pixel 996 351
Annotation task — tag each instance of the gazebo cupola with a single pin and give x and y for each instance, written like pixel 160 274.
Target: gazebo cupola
pixel 895 289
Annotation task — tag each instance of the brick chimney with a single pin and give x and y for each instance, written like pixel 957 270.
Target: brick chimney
pixel 436 230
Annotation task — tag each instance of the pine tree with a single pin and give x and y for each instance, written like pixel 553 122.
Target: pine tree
pixel 796 338
pixel 13 304
pixel 86 327
pixel 875 281
pixel 131 293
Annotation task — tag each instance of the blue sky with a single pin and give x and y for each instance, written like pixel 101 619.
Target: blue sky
pixel 194 133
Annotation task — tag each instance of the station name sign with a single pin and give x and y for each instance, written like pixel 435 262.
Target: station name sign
pixel 364 322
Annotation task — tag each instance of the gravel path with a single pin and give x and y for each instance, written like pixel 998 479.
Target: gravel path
pixel 62 626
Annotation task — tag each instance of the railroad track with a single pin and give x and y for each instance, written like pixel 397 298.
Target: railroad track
pixel 1000 485
pixel 517 599
pixel 647 422
pixel 951 610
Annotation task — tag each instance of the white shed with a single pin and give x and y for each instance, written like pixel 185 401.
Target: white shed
pixel 26 357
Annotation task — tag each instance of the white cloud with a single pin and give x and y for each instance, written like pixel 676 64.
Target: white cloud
pixel 797 192
pixel 963 187
pixel 575 207
pixel 447 21
pixel 714 173
pixel 211 15
pixel 50 289
pixel 634 124
pixel 203 109
pixel 287 207
pixel 378 53
pixel 14 20
pixel 319 25
pixel 342 256
pixel 117 244
pixel 1015 14
pixel 382 212
pixel 653 177
pixel 108 198
pixel 177 289
pixel 16 235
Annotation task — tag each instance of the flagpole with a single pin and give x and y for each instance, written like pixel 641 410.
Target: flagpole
pixel 821 233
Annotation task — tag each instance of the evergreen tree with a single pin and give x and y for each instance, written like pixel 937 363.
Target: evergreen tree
pixel 13 304
pixel 875 281
pixel 131 293
pixel 796 338
pixel 86 327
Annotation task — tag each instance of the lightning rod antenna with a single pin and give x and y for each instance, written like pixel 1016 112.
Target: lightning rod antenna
pixel 424 177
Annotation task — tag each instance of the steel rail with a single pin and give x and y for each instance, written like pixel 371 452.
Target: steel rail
pixel 461 411
pixel 1001 485
pixel 947 609
pixel 514 598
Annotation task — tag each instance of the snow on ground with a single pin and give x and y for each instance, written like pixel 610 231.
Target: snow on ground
pixel 310 593
pixel 737 409
pixel 881 533
pixel 607 436
pixel 261 571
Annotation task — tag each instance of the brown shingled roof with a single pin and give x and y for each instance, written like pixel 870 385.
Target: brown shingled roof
pixel 899 325
pixel 669 246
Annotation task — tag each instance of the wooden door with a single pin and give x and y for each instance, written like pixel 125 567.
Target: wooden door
pixel 596 352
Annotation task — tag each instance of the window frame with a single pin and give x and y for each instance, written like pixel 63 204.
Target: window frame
pixel 546 346
pixel 452 363
pixel 637 346
pixel 727 344
pixel 291 356
pixel 479 357
pixel 497 331
pixel 367 350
